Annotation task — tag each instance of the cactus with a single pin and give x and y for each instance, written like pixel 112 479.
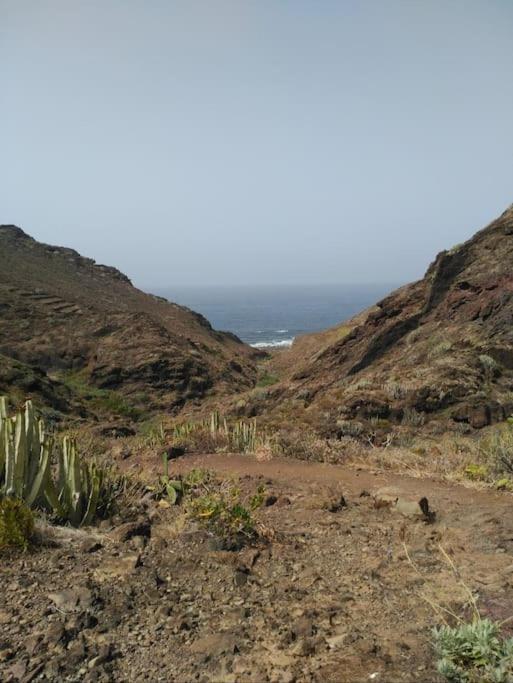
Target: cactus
pixel 25 469
pixel 174 487
pixel 24 455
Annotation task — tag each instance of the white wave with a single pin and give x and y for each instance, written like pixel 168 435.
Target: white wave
pixel 273 343
pixel 281 331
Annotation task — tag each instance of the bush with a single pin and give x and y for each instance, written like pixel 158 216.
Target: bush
pixel 16 524
pixel 476 472
pixel 474 653
pixel 497 448
pixel 227 516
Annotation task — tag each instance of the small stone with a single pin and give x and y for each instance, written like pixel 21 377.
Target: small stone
pixel 128 530
pixel 72 599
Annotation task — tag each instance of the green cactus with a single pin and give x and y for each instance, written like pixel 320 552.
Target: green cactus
pixel 26 453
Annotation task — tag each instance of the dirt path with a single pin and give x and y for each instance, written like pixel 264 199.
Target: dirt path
pixel 339 594
pixel 443 495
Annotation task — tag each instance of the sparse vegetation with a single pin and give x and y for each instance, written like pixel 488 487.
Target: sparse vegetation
pixel 474 652
pixel 16 524
pixel 103 400
pixel 476 472
pixel 226 514
pixel 216 434
pixel 413 418
pixel 497 449
pixel 267 380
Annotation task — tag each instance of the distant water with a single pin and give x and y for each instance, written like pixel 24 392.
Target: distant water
pixel 267 316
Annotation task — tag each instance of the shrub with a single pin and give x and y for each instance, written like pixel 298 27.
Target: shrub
pixel 497 448
pixel 16 524
pixel 267 380
pixel 474 653
pixel 227 516
pixel 412 418
pixel 476 472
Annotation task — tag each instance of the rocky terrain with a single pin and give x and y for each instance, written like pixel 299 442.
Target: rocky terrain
pixel 440 348
pixel 343 589
pixel 80 337
pixel 346 568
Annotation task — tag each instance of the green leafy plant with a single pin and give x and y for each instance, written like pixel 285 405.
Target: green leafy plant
pixel 16 524
pixel 476 472
pixel 227 516
pixel 474 653
pixel 174 488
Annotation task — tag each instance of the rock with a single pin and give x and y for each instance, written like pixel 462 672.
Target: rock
pixel 128 530
pixel 270 500
pixel 407 506
pixel 5 617
pixel 386 497
pixel 117 567
pixel 72 599
pixel 480 417
pixel 335 503
pixel 174 452
pixel 303 628
pixel 6 653
pixel 91 546
pixel 215 644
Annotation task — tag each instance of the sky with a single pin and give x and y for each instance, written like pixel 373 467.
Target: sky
pixel 240 142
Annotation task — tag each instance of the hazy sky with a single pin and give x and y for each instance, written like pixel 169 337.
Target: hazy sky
pixel 232 141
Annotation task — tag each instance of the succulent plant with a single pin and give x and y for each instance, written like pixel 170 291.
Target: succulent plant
pixel 174 487
pixel 26 452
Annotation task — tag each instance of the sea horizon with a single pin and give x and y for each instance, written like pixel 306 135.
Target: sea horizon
pixel 272 316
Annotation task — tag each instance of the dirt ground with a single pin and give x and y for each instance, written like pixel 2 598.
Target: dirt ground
pixel 337 593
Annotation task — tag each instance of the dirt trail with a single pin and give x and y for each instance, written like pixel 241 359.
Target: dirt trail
pixel 443 495
pixel 341 592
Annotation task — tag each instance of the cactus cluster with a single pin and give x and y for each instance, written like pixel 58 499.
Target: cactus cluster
pixel 70 489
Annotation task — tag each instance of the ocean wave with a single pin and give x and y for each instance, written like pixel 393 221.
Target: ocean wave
pixel 281 331
pixel 273 343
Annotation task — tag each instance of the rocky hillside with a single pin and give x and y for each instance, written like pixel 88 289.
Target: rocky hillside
pixel 79 335
pixel 440 347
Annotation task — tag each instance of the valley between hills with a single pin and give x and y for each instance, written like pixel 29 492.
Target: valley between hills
pixel 190 508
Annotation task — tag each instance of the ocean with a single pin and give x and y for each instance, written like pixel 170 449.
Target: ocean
pixel 267 316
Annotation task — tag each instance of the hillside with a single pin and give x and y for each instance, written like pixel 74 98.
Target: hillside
pixel 79 334
pixel 440 348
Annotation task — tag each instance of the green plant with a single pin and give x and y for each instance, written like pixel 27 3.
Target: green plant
pixel 504 484
pixel 476 472
pixel 25 452
pixel 267 380
pixel 474 653
pixel 75 495
pixel 174 488
pixel 16 524
pixel 72 490
pixel 497 448
pixel 227 516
